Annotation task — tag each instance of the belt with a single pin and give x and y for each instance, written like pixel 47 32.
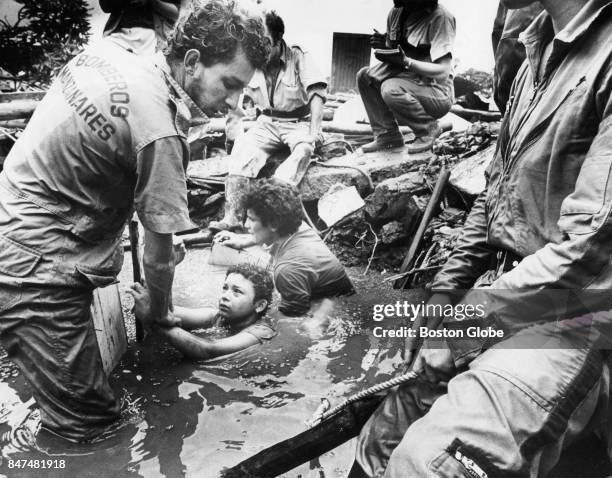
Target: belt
pixel 296 114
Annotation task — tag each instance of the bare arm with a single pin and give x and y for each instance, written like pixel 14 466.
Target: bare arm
pixel 316 114
pixel 158 262
pixel 235 241
pixel 439 69
pixel 200 348
pixel 200 318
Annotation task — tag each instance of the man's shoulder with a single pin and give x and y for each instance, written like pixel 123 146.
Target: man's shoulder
pixel 442 13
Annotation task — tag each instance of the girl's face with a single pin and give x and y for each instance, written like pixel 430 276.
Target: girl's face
pixel 237 300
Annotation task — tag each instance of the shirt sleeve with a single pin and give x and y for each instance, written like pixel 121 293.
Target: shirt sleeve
pixel 310 76
pixel 160 196
pixel 471 256
pixel 261 330
pixel 442 32
pixel 295 288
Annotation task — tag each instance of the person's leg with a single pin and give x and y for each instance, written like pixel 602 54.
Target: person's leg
pixel 417 105
pixel 297 137
pixel 386 427
pixel 384 126
pixel 50 335
pixel 250 153
pixel 511 414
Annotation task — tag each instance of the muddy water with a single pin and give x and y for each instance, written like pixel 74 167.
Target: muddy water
pixel 186 418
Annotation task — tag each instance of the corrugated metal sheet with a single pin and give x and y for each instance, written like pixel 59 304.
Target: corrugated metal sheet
pixel 351 52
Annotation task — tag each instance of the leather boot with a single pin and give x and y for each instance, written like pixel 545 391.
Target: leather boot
pixel 235 188
pixel 425 142
pixel 384 141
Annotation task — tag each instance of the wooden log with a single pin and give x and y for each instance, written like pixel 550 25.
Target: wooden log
pixel 22 95
pixel 109 325
pixel 308 445
pixel 327 126
pixel 17 109
pixel 477 115
pixel 14 124
pixel 434 201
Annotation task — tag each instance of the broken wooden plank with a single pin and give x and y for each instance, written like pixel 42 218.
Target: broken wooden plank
pixel 109 325
pixel 434 201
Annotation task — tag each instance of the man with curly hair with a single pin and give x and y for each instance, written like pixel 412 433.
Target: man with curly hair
pixel 304 268
pixel 246 295
pixel 109 137
pixel 289 92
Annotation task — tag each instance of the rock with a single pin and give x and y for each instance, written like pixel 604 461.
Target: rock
pixel 468 176
pixel 393 233
pixel 456 122
pixel 379 166
pixel 339 202
pixel 393 200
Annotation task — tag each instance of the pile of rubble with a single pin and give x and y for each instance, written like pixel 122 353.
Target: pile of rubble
pixel 384 193
pixel 380 233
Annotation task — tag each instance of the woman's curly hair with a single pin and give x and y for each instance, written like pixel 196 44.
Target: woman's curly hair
pixel 259 277
pixel 276 204
pixel 216 28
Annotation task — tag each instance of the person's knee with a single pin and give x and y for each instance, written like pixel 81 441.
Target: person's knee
pixel 394 94
pixel 304 149
pixel 363 76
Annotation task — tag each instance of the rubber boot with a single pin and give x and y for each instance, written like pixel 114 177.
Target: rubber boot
pixel 235 189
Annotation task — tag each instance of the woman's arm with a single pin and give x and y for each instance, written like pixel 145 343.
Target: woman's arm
pixel 200 348
pixel 235 241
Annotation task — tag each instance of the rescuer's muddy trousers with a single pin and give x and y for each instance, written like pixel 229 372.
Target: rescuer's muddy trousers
pixel 48 332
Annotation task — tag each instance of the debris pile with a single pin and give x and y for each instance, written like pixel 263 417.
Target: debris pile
pixel 379 234
pixel 395 188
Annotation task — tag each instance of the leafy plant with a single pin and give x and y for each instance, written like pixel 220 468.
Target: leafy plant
pixel 45 36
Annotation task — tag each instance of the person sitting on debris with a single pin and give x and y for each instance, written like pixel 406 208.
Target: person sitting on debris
pixel 288 91
pixel 246 295
pixel 304 268
pixel 413 86
pixel 141 26
pixel 108 138
pixel 492 408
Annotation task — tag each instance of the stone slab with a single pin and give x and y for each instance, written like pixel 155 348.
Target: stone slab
pixel 379 166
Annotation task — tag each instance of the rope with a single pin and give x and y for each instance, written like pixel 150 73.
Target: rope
pixel 402 379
